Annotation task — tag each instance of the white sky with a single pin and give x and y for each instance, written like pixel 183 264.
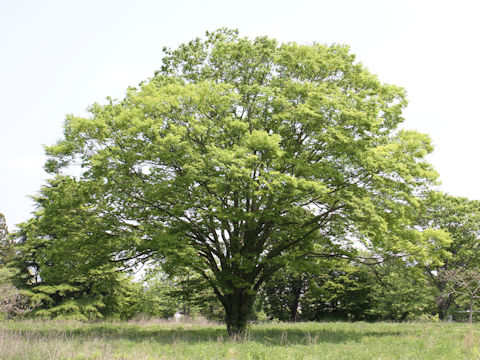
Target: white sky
pixel 58 57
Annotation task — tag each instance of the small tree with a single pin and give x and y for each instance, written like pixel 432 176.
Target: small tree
pixel 156 298
pixel 67 259
pixel 462 284
pixel 3 227
pixel 6 243
pixel 282 294
pixel 400 291
pixel 12 301
pixel 460 218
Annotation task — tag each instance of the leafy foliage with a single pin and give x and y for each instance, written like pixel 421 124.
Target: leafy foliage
pixel 342 290
pixel 460 219
pixel 13 302
pixel 67 258
pixel 185 292
pixel 400 292
pixel 240 156
pixel 7 251
pixel 465 284
pixel 283 293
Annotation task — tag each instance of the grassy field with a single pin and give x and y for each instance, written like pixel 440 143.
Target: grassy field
pixel 149 340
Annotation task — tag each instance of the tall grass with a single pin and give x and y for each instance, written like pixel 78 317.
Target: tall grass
pixel 167 340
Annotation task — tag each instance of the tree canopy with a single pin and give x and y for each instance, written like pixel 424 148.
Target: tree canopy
pixel 240 155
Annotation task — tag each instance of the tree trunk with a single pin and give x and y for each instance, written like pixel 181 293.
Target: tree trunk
pixel 293 306
pixel 238 310
pixel 443 306
pixel 470 315
pixel 294 309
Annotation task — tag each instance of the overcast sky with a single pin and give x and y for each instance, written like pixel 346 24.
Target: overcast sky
pixel 59 57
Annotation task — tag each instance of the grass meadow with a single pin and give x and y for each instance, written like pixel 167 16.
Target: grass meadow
pixel 157 340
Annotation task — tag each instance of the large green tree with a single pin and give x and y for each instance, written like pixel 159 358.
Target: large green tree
pixel 241 155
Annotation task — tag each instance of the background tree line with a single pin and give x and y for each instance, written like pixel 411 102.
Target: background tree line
pixel 43 278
